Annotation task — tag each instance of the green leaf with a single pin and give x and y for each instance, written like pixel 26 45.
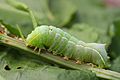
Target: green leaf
pixel 115 45
pixel 48 73
pixel 93 14
pixel 47 12
pixel 116 64
pixel 98 16
pixel 18 66
pixel 1 78
pixel 11 17
pixel 63 11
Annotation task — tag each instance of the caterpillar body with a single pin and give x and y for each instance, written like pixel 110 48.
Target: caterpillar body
pixel 63 44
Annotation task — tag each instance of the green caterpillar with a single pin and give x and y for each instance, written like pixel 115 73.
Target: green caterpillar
pixel 63 44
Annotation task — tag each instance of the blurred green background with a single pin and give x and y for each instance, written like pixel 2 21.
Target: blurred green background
pixel 88 20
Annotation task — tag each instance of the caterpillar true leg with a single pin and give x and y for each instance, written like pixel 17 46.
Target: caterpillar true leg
pixel 35 48
pixel 39 50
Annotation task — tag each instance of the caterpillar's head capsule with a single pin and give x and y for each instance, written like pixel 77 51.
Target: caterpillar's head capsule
pixel 36 37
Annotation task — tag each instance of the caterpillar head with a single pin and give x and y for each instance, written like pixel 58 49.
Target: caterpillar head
pixel 35 38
